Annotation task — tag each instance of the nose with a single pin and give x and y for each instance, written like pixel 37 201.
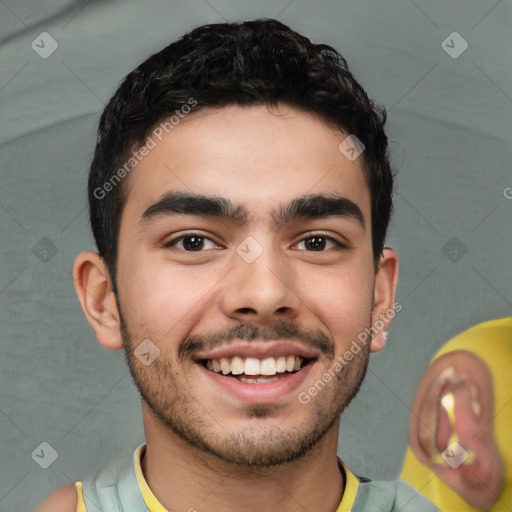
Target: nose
pixel 261 291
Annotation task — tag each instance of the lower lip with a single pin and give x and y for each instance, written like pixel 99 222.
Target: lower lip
pixel 259 393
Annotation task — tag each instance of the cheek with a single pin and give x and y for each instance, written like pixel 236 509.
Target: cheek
pixel 339 297
pixel 161 297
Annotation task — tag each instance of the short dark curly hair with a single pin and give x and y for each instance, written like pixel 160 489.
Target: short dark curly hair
pixel 250 63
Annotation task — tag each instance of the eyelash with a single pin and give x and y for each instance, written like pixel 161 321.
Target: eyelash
pixel 172 242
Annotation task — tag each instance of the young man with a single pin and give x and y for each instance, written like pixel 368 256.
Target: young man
pixel 240 195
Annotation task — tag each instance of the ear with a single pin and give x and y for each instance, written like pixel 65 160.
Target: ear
pixel 455 438
pixel 95 293
pixel 384 308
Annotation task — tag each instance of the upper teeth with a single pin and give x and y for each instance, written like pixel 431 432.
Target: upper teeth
pixel 253 366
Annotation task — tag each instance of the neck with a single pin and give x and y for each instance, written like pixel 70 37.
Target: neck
pixel 182 477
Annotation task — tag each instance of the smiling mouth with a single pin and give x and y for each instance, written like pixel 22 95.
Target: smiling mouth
pixel 256 371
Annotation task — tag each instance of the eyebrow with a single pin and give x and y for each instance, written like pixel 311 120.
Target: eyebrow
pixel 311 206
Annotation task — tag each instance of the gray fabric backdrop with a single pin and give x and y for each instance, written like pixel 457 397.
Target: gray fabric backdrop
pixel 450 122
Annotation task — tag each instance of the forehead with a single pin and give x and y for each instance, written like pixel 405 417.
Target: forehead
pixel 256 156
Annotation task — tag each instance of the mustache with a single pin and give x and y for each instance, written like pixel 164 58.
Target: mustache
pixel 248 332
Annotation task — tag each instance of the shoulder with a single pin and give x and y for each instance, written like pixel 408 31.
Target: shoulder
pixel 409 499
pixel 393 496
pixel 63 499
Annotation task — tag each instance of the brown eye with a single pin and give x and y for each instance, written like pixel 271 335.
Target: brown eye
pixel 316 243
pixel 192 243
pixel 319 243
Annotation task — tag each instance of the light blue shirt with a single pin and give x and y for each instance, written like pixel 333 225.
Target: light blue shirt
pixel 116 489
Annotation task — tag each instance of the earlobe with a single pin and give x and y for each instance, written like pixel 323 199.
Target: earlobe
pixel 95 293
pixel 378 343
pixel 384 307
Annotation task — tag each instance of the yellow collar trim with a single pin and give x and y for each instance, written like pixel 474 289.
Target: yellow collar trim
pixel 147 494
pixel 351 488
pixel 347 502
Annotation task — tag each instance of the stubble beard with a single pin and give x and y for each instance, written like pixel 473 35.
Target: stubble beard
pixel 261 445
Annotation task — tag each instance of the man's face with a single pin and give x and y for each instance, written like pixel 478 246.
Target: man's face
pixel 246 290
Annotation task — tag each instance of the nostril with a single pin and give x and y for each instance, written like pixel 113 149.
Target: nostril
pixel 246 310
